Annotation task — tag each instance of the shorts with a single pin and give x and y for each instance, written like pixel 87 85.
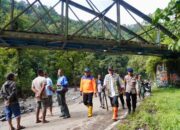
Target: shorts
pixel 42 104
pixel 12 109
pixel 50 101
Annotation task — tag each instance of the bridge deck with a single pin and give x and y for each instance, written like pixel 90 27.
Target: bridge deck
pixel 54 41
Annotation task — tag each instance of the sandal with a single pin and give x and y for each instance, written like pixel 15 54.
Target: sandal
pixel 21 127
pixel 38 121
pixel 45 121
pixel 13 128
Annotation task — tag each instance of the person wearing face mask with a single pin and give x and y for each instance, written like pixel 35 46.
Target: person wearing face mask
pixel 131 92
pixel 87 90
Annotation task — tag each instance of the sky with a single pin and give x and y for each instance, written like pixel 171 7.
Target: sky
pixel 145 6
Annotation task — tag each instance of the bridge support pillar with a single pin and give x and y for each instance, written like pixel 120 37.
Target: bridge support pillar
pixel 168 73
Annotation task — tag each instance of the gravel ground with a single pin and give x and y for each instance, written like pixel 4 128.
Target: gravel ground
pixel 100 121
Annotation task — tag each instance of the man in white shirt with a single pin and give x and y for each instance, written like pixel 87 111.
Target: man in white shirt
pixel 112 83
pixel 38 87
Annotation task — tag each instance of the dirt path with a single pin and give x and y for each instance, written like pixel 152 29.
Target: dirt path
pixel 78 121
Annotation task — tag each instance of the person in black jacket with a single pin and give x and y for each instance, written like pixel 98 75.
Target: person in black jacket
pixel 9 94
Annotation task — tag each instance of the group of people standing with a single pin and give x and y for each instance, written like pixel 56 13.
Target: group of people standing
pixel 42 86
pixel 114 86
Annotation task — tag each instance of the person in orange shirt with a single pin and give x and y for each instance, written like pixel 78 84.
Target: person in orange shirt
pixel 88 89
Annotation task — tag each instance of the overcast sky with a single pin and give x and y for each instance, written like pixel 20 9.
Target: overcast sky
pixel 145 6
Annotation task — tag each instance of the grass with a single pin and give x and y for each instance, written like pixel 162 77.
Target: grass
pixel 161 111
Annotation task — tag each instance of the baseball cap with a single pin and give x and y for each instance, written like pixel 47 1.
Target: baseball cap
pixel 130 70
pixel 86 69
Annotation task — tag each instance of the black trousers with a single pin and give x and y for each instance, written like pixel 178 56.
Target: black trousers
pixel 87 99
pixel 114 101
pixel 131 98
pixel 101 98
pixel 121 99
pixel 62 103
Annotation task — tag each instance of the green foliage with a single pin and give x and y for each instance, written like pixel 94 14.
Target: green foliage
pixel 158 112
pixel 151 66
pixel 138 63
pixel 26 62
pixel 170 18
pixel 7 62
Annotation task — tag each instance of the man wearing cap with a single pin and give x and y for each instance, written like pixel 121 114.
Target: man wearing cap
pixel 87 89
pixel 112 83
pixel 131 92
pixel 9 94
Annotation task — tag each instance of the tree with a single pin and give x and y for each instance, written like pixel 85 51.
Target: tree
pixel 170 18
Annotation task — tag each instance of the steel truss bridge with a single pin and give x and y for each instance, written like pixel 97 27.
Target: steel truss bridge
pixel 112 36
